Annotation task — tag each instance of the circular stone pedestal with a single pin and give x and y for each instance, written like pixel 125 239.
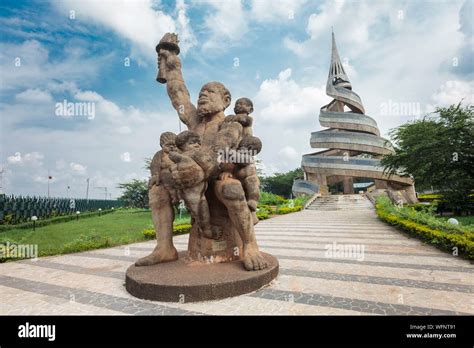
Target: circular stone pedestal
pixel 179 281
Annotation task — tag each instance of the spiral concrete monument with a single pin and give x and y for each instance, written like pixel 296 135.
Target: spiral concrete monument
pixel 352 143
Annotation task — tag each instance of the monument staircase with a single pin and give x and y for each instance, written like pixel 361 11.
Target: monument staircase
pixel 341 202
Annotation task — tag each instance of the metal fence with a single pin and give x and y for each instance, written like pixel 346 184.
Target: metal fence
pixel 17 209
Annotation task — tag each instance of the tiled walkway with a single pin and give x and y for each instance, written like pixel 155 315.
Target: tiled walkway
pixel 394 275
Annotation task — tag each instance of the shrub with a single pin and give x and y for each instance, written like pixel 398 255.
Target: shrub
pixel 149 233
pixel 182 229
pixel 287 210
pixel 301 200
pixel 269 209
pixel 441 234
pixel 271 199
pixel 262 215
pixel 423 217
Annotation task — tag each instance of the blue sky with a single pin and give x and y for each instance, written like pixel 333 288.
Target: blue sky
pixel 402 53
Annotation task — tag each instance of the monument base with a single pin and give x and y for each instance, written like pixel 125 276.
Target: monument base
pixel 183 281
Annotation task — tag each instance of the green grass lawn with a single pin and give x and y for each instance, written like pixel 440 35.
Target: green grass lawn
pixel 123 226
pixel 120 227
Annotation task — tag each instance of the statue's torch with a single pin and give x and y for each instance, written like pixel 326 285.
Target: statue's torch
pixel 169 42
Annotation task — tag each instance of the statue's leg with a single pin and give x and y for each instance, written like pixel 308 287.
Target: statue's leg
pixel 162 215
pixel 197 204
pixel 231 193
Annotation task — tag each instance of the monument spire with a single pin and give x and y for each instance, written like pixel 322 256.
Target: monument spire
pixel 337 74
pixel 351 146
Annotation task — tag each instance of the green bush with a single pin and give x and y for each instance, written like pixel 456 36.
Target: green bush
pixel 425 217
pixel 271 199
pixel 149 233
pixel 429 208
pixel 301 200
pixel 263 215
pixel 288 210
pixel 439 233
pixel 268 209
pixel 182 229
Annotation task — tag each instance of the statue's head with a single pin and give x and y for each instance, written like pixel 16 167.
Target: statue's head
pixel 243 106
pixel 214 97
pixel 168 141
pixel 188 140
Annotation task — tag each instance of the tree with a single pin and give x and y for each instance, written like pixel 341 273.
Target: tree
pixel 135 193
pixel 438 151
pixel 281 183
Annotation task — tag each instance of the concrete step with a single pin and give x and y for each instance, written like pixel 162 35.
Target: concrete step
pixel 341 202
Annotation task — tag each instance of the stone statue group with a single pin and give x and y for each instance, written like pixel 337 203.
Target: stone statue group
pixel 210 166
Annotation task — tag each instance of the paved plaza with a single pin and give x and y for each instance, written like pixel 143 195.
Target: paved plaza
pixel 390 273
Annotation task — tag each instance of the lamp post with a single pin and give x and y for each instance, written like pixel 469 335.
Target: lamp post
pixel 34 218
pixel 77 215
pixel 100 210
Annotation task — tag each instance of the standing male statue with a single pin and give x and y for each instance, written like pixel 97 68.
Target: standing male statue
pixel 231 216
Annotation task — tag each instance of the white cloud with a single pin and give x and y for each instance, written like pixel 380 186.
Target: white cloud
pixel 34 96
pixel 183 28
pixel 35 69
pixel 452 92
pixel 283 100
pixel 138 21
pixel 33 158
pixel 230 21
pixel 275 10
pixel 335 14
pixel 227 24
pixel 88 96
pixel 124 130
pixel 78 168
pixel 289 153
pixel 16 158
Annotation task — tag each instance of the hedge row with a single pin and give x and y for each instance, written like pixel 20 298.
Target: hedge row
pixel 54 220
pixel 464 241
pixel 262 214
pixel 265 211
pixel 18 209
pixel 149 233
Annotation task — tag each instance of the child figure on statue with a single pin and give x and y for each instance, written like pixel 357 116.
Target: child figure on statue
pixel 193 166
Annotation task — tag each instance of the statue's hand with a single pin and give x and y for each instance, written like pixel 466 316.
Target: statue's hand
pixel 153 181
pixel 174 156
pixel 252 204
